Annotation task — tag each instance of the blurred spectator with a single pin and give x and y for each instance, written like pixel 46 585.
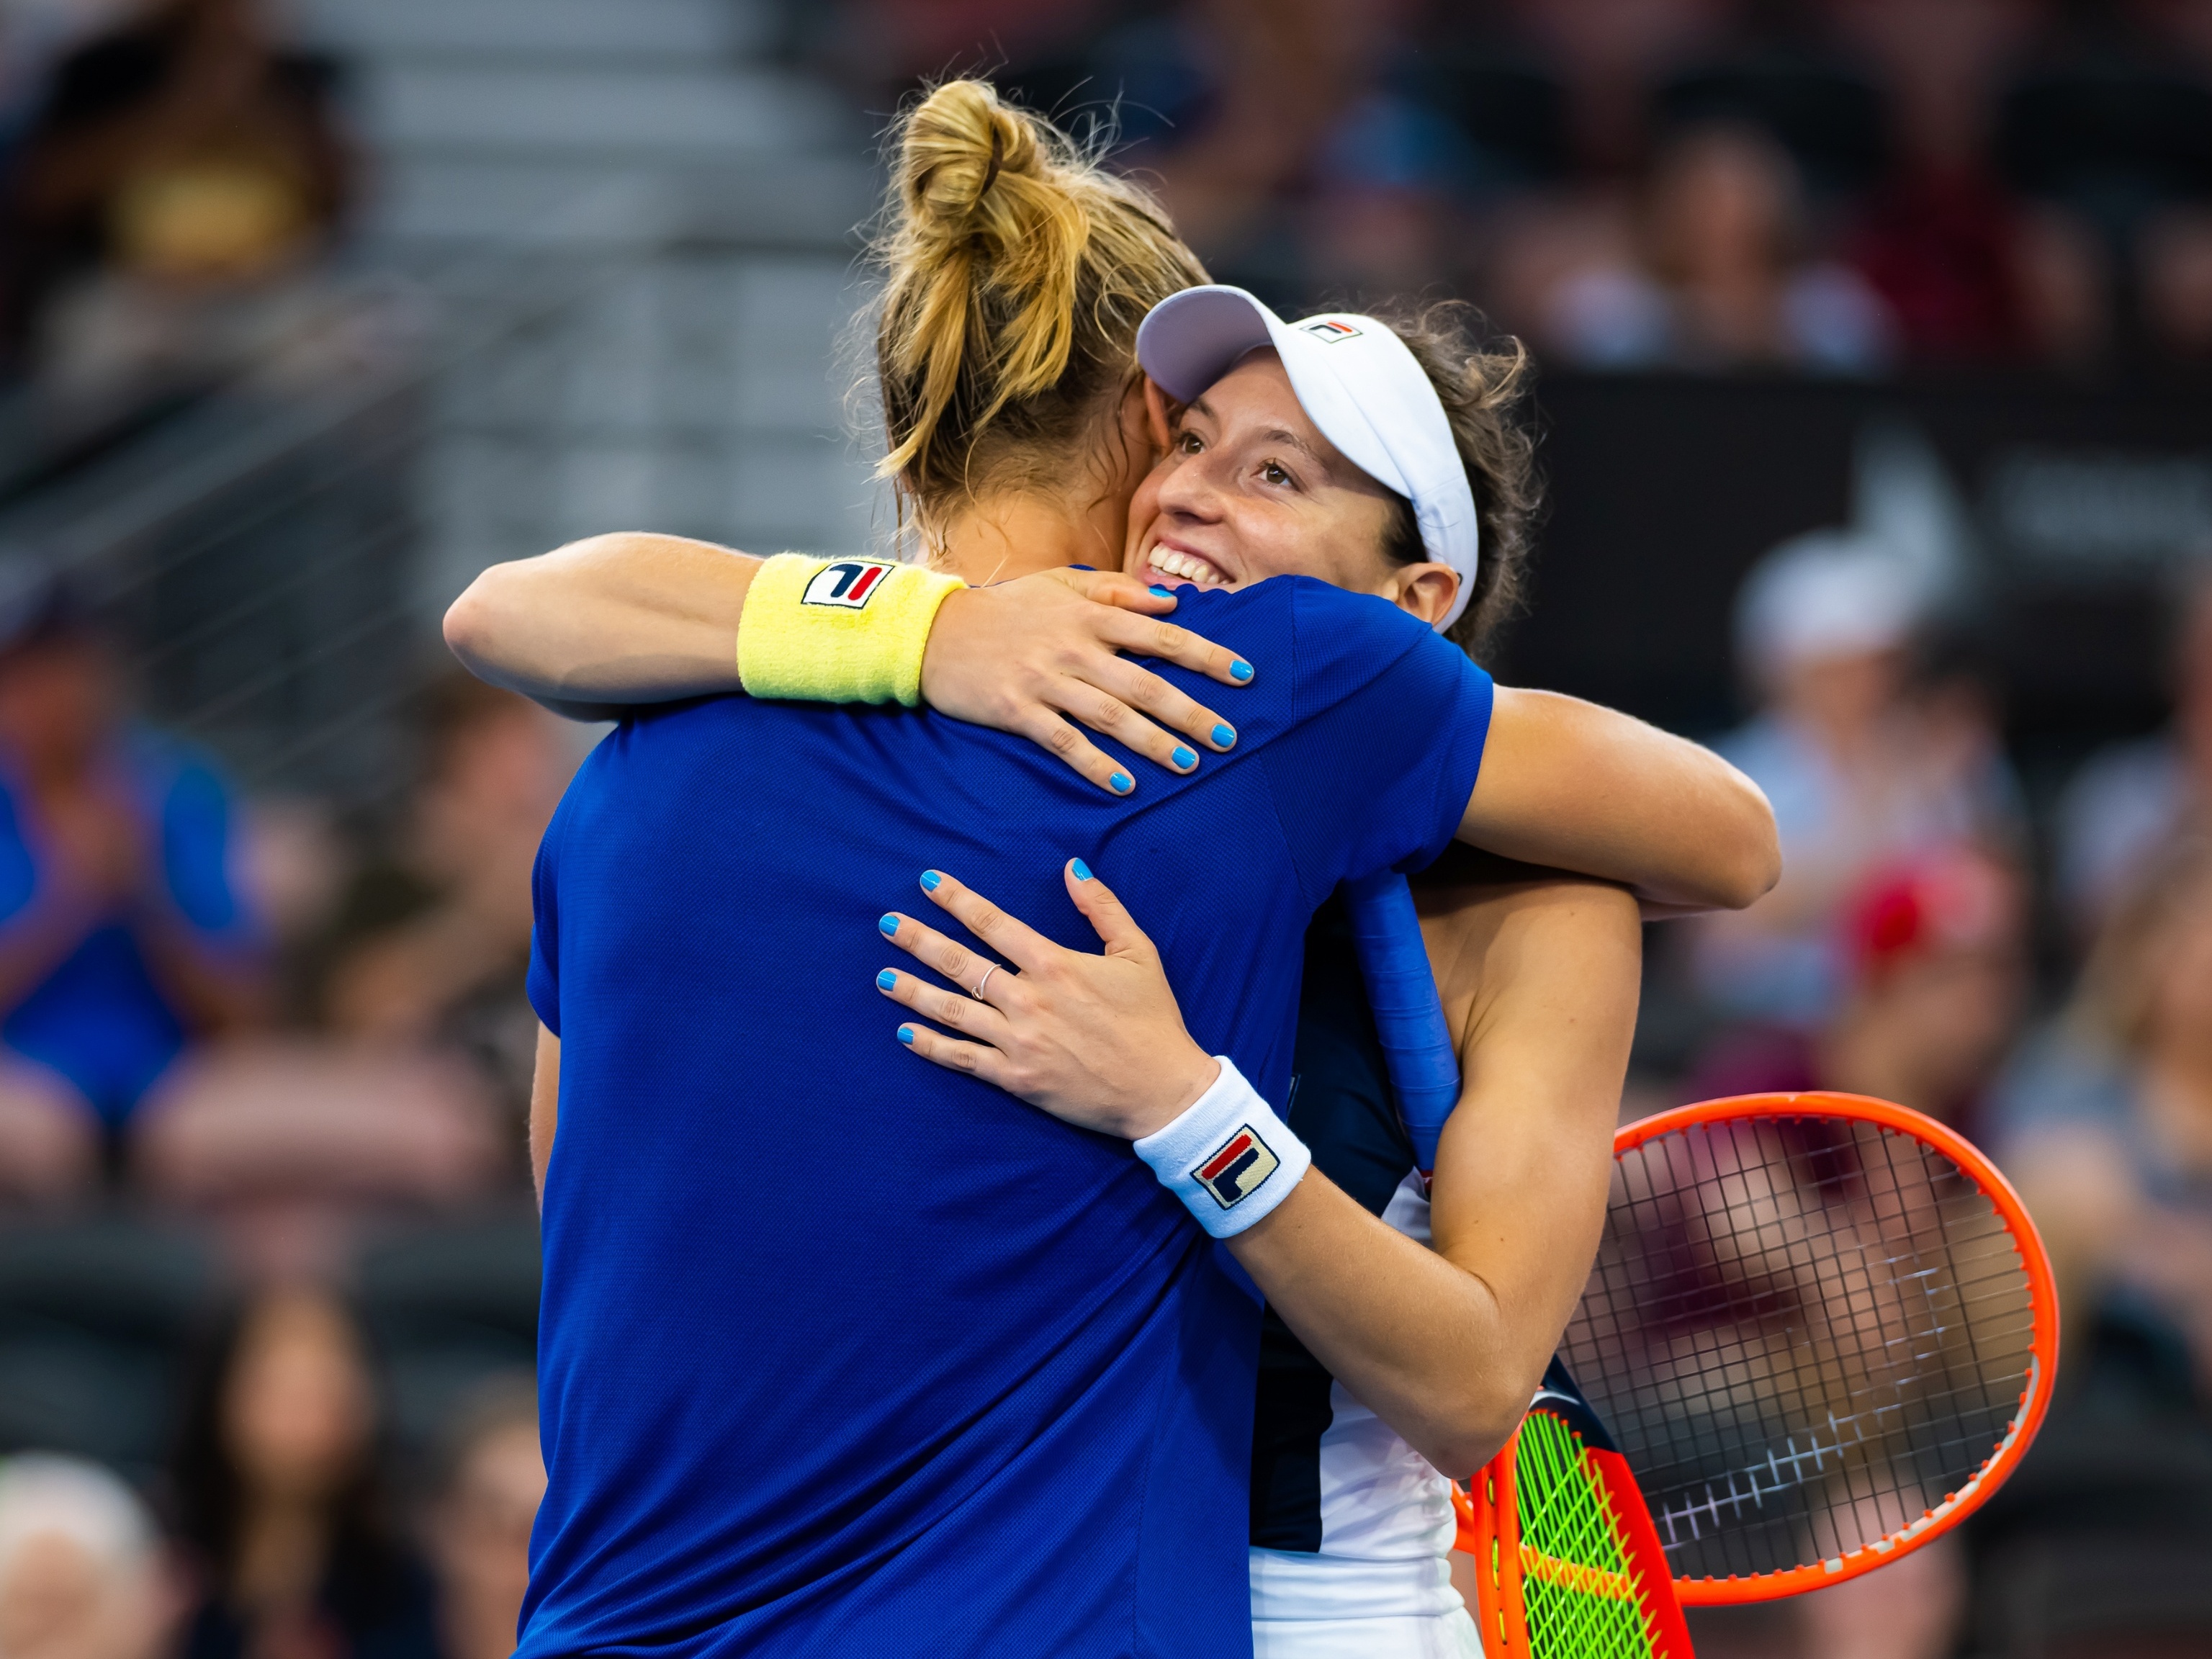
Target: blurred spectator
pixel 479 1525
pixel 1936 949
pixel 121 938
pixel 2130 799
pixel 82 1575
pixel 183 169
pixel 2108 1117
pixel 1858 773
pixel 278 1499
pixel 431 947
pixel 2177 279
pixel 1719 274
pixel 1967 269
pixel 1612 53
pixel 290 1147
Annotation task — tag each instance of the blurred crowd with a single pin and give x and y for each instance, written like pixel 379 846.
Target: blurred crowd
pixel 174 177
pixel 252 1024
pixel 1846 186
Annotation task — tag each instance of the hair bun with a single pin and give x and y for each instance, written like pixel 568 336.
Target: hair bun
pixel 959 142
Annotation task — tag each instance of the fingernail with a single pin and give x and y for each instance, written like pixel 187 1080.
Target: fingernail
pixel 889 925
pixel 1162 592
pixel 1082 870
pixel 1225 737
pixel 1122 783
pixel 1183 757
pixel 1240 671
pixel 906 1035
pixel 886 980
pixel 929 880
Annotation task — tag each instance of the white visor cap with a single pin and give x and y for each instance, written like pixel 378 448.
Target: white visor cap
pixel 1357 382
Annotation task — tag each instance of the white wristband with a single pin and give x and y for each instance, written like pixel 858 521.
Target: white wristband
pixel 1228 1157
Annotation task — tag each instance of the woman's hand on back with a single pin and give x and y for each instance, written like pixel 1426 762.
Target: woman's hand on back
pixel 1097 1041
pixel 1042 657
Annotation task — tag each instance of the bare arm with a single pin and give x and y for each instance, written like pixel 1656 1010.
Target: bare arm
pixel 625 618
pixel 1570 785
pixel 1446 1344
pixel 638 618
pixel 545 1108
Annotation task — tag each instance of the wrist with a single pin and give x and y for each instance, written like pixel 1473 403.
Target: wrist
pixel 1183 1088
pixel 1227 1157
pixel 838 630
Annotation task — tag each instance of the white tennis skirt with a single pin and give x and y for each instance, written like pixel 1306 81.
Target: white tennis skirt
pixel 1319 1606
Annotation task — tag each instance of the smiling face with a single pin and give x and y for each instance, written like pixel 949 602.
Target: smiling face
pixel 1250 489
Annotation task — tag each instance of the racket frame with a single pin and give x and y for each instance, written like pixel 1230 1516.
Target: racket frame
pixel 2043 1296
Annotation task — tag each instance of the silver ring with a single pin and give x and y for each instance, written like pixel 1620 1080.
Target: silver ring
pixel 978 992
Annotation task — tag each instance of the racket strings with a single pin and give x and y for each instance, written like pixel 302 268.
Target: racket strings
pixel 1802 1335
pixel 1579 1591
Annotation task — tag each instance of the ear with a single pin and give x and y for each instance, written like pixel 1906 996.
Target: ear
pixel 1157 409
pixel 1425 590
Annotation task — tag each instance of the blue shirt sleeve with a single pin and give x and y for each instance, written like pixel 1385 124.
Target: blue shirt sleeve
pixel 19 875
pixel 197 848
pixel 1376 771
pixel 543 984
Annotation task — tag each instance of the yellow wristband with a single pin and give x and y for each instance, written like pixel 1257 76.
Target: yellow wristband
pixel 838 630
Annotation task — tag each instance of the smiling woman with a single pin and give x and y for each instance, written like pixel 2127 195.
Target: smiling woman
pixel 1246 442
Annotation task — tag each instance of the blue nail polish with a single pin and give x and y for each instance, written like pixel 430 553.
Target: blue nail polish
pixel 1225 737
pixel 1082 870
pixel 886 980
pixel 1183 757
pixel 1240 671
pixel 889 925
pixel 1162 592
pixel 906 1035
pixel 1122 783
pixel 929 880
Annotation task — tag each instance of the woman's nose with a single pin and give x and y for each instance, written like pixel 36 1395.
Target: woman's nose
pixel 1191 489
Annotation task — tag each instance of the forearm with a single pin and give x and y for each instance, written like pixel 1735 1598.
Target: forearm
pixel 630 617
pixel 1568 784
pixel 544 1108
pixel 1423 1344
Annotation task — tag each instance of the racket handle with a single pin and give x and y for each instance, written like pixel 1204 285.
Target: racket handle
pixel 1409 1016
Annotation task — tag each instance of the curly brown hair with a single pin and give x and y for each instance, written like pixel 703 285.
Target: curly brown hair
pixel 1484 390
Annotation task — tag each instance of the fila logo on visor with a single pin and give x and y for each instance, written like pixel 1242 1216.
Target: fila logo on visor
pixel 1330 330
pixel 851 584
pixel 1237 1169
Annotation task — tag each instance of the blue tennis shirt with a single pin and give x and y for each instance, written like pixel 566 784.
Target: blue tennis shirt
pixel 845 1354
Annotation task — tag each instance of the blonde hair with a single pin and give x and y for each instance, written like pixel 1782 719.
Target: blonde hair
pixel 1018 271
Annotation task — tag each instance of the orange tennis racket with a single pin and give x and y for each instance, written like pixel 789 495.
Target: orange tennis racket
pixel 1821 1330
pixel 1567 1563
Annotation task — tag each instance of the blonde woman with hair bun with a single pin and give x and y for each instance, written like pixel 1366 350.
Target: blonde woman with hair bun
pixel 988 1324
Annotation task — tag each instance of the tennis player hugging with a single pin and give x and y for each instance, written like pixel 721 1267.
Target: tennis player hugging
pixel 847 1350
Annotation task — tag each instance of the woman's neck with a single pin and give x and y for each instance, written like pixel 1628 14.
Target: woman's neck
pixel 1018 534
pixel 281 1554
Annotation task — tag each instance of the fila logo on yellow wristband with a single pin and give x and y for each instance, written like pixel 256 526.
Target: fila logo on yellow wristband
pixel 850 583
pixel 1237 1169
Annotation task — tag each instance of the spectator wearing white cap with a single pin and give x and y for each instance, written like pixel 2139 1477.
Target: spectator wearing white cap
pixel 1860 772
pixel 82 1575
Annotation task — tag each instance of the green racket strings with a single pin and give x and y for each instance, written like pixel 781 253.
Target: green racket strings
pixel 1583 1602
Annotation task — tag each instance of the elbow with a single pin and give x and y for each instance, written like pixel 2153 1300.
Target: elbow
pixel 1755 864
pixel 1470 1434
pixel 471 620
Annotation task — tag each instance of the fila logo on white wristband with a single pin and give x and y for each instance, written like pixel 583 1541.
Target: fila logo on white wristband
pixel 1237 1168
pixel 850 583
